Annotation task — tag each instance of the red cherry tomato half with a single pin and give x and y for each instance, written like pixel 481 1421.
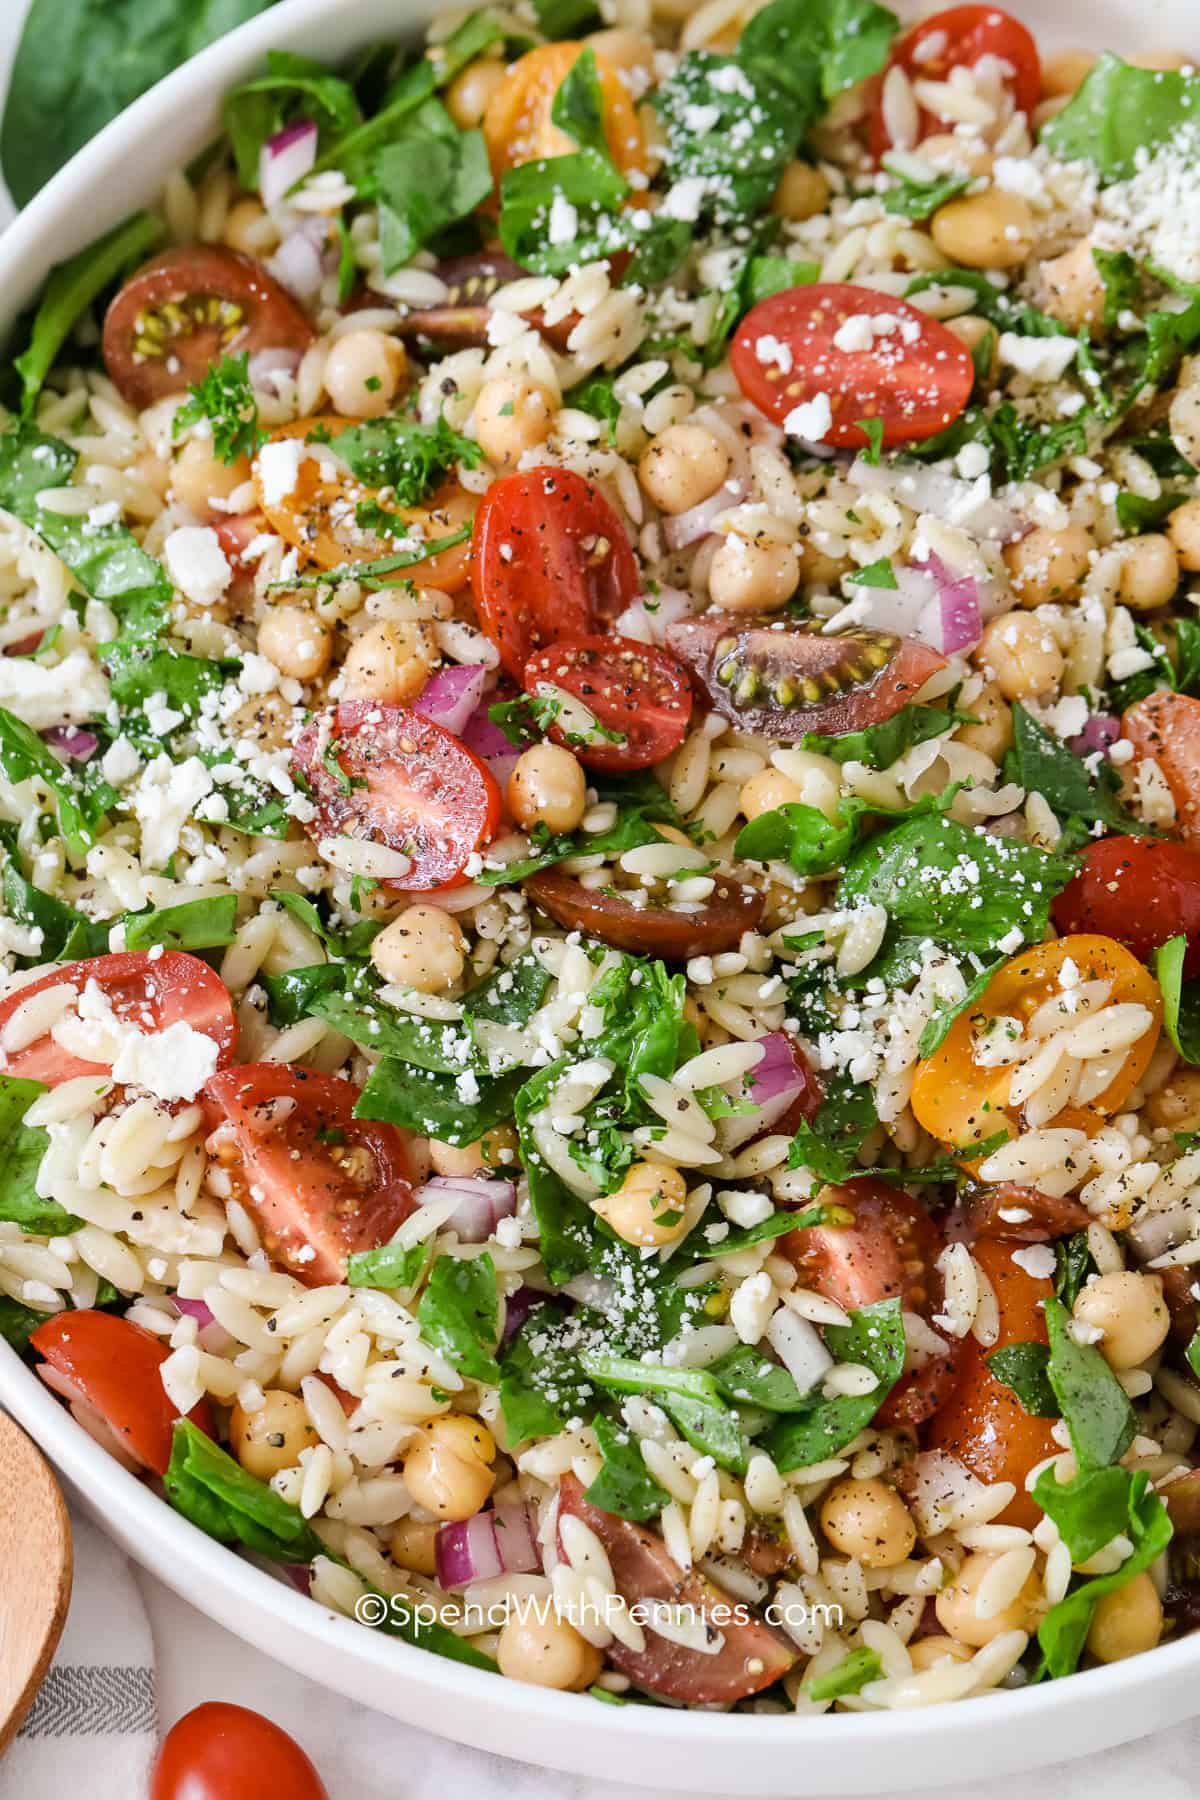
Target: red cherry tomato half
pixel 648 930
pixel 185 310
pixel 957 39
pixel 389 776
pixel 1166 727
pixel 113 1366
pixel 1024 1215
pixel 321 1183
pixel 1139 891
pixel 223 1752
pixel 550 560
pixel 630 688
pixel 751 1656
pixel 151 992
pixel 783 681
pixel 913 375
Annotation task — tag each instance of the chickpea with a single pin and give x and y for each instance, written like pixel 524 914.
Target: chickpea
pixel 391 661
pixel 446 1467
pixel 423 949
pixel 817 567
pixel 468 94
pixel 1049 565
pixel 682 466
pixel 966 156
pixel 802 192
pixel 647 1208
pixel 496 1149
pixel 1149 572
pixel 928 1652
pixel 1073 289
pixel 992 230
pixel 752 575
pixel 412 1546
pixel 1176 1105
pixel 547 787
pixel 1130 1310
pixel 1126 1621
pixel 154 472
pixel 631 53
pixel 1018 651
pixel 296 641
pixel 868 1521
pixel 1183 529
pixel 363 373
pixel 549 1653
pixel 994 732
pixel 273 1437
pixel 512 415
pixel 973 331
pixel 1065 70
pixel 765 791
pixel 240 231
pixel 198 477
pixel 955 1605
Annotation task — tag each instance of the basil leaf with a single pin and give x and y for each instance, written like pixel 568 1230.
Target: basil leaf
pixel 1181 999
pixel 459 1314
pixel 21 1150
pixel 293 88
pixel 1022 1367
pixel 192 925
pixel 1121 115
pixel 849 1676
pixel 624 1485
pixel 874 1337
pixel 1091 1399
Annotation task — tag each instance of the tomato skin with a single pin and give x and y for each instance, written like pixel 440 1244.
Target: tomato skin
pixel 1138 890
pixel 630 687
pixel 785 682
pixel 116 1364
pixel 419 790
pixel 752 1656
pixel 650 930
pixel 983 1423
pixel 1166 727
pixel 517 123
pixel 151 992
pixel 970 32
pixel 550 560
pixel 1048 1215
pixel 916 378
pixel 321 1183
pixel 266 318
pixel 223 1752
pixel 460 322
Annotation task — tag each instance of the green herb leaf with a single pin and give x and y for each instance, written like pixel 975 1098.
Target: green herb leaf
pixel 21 1150
pixel 192 925
pixel 225 398
pixel 826 44
pixel 1090 1398
pixel 391 1266
pixel 1044 765
pixel 1181 999
pixel 1119 114
pixel 874 1337
pixel 1063 1632
pixel 459 1314
pixel 624 1485
pixel 689 1397
pixel 879 746
pixel 1022 1367
pixel 431 176
pixel 18 1323
pixel 849 1676
pixel 425 1102
pixel 401 454
pixel 293 88
pixel 1073 1265
pixel 748 1379
pixel 920 199
pixel 208 1487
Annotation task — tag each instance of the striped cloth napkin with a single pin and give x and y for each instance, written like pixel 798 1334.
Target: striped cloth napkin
pixel 93 1728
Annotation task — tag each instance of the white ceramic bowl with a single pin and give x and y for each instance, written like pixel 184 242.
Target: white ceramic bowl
pixel 711 1753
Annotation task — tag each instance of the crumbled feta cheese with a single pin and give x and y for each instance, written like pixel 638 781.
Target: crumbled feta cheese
pixel 67 693
pixel 562 227
pixel 1040 359
pixel 1036 1260
pixel 172 1065
pixel 811 419
pixel 279 468
pixel 197 564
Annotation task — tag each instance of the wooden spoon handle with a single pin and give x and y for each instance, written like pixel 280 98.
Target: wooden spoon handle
pixel 35 1556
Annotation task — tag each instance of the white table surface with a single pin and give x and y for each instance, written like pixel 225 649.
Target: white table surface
pixel 364 1756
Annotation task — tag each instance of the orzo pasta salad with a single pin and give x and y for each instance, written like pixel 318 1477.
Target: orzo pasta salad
pixel 599 804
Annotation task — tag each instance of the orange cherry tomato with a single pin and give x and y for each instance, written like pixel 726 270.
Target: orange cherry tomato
pixel 983 1423
pixel 317 514
pixel 957 39
pixel 1166 726
pixel 224 1752
pixel 517 124
pixel 960 1102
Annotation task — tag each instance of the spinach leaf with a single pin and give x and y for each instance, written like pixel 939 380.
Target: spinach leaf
pixel 1090 1398
pixel 595 394
pixel 429 178
pixel 23 755
pixel 624 1485
pixel 18 1323
pixel 1181 999
pixel 293 88
pixel 1135 513
pixel 731 126
pixel 65 932
pixel 850 1676
pixel 354 153
pixel 376 574
pixel 565 18
pixel 354 942
pixel 1063 1632
pixel 541 1382
pixel 1044 765
pixel 578 105
pixel 400 453
pixel 459 1314
pixel 641 804
pixel 748 1379
pixel 830 1142
pixel 477 33
pixel 565 1223
pixel 293 995
pixel 560 211
pixel 1022 1367
pixel 919 199
pixel 21 1150
pixel 940 1022
pixel 1073 1264
pixel 767 275
pixel 812 844
pixel 71 289
pixel 1089 1510
pixel 689 1397
pixel 390 1266
pixel 1120 113
pixel 1122 282
pixel 1024 447
pixel 424 1101
pixel 225 398
pixel 879 574
pixel 208 1487
pixel 192 925
pixel 874 1337
pixel 823 44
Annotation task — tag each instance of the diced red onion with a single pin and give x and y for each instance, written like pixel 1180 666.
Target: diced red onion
pixel 482 1203
pixel 696 523
pixel 297 264
pixel 195 1309
pixel 466 1550
pixel 1101 730
pixel 451 697
pixel 514 1539
pixel 488 742
pixel 774 1085
pixel 298 1574
pixel 72 742
pixel 517 1309
pixel 962 622
pixel 286 159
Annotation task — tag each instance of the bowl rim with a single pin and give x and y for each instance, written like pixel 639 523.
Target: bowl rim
pixel 34 241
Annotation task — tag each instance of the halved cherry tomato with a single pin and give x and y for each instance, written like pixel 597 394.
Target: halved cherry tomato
pixel 186 309
pixel 751 1657
pixel 1138 890
pixel 648 930
pixel 224 1752
pixel 887 1246
pixel 151 992
pixel 321 1183
pixel 317 514
pixel 783 680
pixel 983 1423
pixel 114 1367
pixel 235 532
pixel 550 560
pixel 962 1103
pixel 1166 726
pixel 1022 1215
pixel 915 376
pixel 390 776
pixel 518 126
pixel 957 39
pixel 630 688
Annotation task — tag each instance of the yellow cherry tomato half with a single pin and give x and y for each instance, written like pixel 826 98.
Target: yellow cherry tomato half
pixel 961 1101
pixel 317 512
pixel 517 124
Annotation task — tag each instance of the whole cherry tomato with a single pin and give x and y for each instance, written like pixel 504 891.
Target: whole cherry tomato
pixel 224 1752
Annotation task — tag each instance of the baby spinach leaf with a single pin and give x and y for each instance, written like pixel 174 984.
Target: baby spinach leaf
pixel 477 33
pixel 1181 999
pixel 560 211
pixel 919 199
pixel 23 755
pixel 459 1314
pixel 624 1485
pixel 875 1338
pixel 63 929
pixel 391 1266
pixel 1089 1510
pixel 431 176
pixel 1090 1398
pixel 829 44
pixel 732 125
pixel 565 18
pixel 1022 1367
pixel 747 1378
pixel 578 105
pixel 633 826
pixel 767 275
pixel 1135 513
pixel 879 746
pixel 1044 765
pixel 354 153
pixel 830 1142
pixel 18 1323
pixel 21 1150
pixel 541 1382
pixel 1073 1264
pixel 1063 1632
pixel 355 941
pixel 801 836
pixel 292 995
pixel 208 1487
pixel 424 1101
pixel 226 399
pixel 192 925
pixel 1024 447
pixel 689 1397
pixel 400 453
pixel 1120 113
pixel 293 88
pixel 850 1676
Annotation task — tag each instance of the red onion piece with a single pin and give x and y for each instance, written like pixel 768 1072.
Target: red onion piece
pixel 466 1550
pixel 482 1203
pixel 286 159
pixel 696 523
pixel 195 1309
pixel 1101 730
pixel 517 1309
pixel 267 368
pixel 962 623
pixel 775 1084
pixel 488 742
pixel 451 697
pixel 72 742
pixel 514 1538
pixel 298 1574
